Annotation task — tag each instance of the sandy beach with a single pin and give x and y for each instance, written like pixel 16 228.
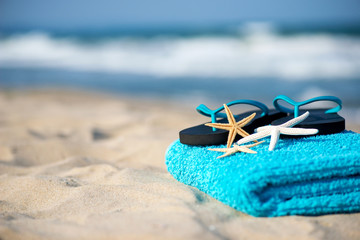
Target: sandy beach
pixel 81 165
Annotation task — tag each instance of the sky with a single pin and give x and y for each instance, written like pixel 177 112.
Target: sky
pixel 99 14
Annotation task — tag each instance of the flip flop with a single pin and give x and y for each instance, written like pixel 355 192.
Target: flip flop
pixel 327 121
pixel 202 135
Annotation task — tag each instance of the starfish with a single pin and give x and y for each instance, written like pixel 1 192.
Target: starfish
pixel 233 127
pixel 275 131
pixel 235 149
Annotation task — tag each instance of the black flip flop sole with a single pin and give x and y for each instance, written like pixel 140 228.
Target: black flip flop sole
pixel 326 123
pixel 202 135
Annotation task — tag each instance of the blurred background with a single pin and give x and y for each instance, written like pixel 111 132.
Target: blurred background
pixel 189 52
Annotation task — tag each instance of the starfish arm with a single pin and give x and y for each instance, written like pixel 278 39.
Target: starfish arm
pixel 236 148
pixel 295 121
pixel 231 137
pixel 229 115
pixel 228 153
pixel 299 131
pixel 241 132
pixel 219 149
pixel 246 120
pixel 247 150
pixel 254 136
pixel 275 133
pixel 224 126
pixel 254 144
pixel 263 128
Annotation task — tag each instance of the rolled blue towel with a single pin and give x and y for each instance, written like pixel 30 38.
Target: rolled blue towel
pixel 309 176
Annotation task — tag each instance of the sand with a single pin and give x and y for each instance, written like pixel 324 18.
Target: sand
pixel 77 165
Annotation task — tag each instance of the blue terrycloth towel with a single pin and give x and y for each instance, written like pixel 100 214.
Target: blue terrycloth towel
pixel 308 176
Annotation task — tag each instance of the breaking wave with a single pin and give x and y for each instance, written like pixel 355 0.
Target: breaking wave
pixel 255 53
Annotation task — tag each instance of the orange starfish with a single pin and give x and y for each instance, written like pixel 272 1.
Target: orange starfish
pixel 233 127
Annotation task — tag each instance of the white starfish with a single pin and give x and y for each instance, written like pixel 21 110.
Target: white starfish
pixel 275 131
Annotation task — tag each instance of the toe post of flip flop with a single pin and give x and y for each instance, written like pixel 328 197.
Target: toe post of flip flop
pixel 327 121
pixel 202 135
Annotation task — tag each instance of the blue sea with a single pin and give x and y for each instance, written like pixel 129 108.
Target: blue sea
pixel 190 65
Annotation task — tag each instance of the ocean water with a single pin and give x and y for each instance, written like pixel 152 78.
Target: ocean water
pixel 253 61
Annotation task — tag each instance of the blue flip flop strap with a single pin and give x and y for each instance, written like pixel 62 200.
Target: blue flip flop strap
pixel 204 110
pixel 298 104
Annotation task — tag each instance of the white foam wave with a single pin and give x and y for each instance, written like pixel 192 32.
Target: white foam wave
pixel 295 57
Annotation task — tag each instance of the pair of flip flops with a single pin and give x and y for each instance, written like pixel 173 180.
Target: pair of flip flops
pixel 327 121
